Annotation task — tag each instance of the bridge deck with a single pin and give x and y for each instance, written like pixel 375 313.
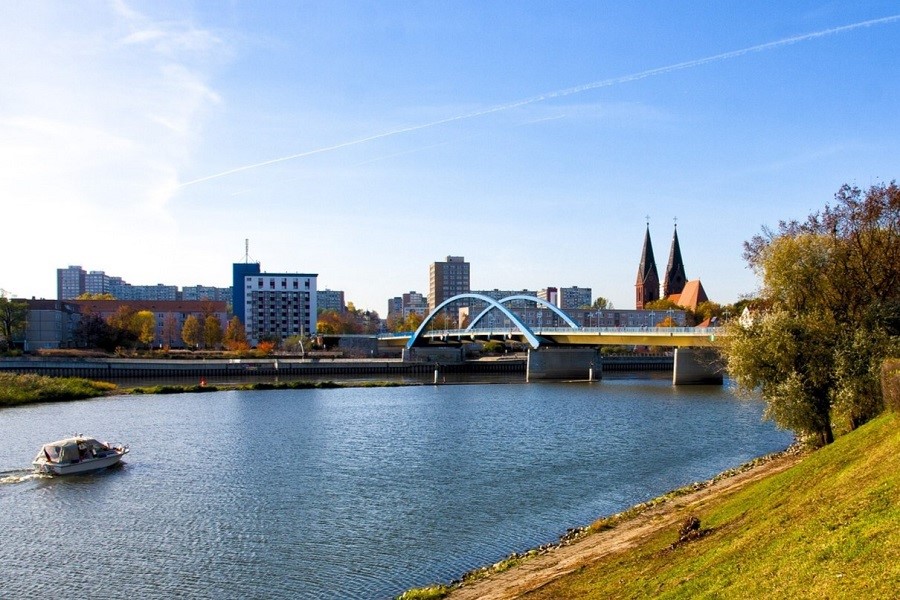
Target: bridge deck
pixel 584 336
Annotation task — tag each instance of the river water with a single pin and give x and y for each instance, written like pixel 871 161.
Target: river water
pixel 345 493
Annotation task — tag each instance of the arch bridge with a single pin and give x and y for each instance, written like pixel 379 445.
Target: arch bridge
pixel 537 337
pixel 688 341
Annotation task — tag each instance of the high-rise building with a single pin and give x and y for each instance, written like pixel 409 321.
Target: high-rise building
pixel 414 302
pixel 96 282
pixel 70 282
pixel 240 271
pixel 118 287
pixel 647 284
pixel 159 291
pixel 673 282
pixel 411 302
pixel 274 305
pixel 395 307
pixel 330 300
pixel 574 297
pixel 74 281
pixel 205 292
pixel 447 279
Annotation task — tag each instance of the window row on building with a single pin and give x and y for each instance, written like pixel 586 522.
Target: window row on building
pixel 73 282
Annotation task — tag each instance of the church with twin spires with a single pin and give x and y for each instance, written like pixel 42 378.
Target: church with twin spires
pixel 675 285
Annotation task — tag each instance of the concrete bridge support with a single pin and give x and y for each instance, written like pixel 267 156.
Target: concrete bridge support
pixel 563 363
pixel 436 354
pixel 697 366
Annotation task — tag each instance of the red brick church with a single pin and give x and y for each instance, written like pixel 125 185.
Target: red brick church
pixel 675 285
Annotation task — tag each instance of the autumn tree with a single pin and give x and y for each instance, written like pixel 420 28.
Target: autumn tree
pixel 442 320
pixel 333 322
pixel 122 319
pixel 13 320
pixel 668 321
pixel 831 291
pixel 143 323
pixel 398 323
pixel 190 331
pixel 395 323
pixel 235 337
pixel 412 321
pixel 663 304
pixel 124 328
pixel 212 332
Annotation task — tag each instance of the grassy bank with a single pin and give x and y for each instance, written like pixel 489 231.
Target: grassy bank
pixel 827 528
pixel 26 389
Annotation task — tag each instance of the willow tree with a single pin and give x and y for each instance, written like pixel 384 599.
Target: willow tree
pixel 830 313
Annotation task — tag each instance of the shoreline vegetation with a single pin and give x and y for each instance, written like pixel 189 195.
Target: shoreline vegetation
pixel 17 389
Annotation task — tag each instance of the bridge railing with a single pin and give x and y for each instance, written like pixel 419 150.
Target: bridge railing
pixel 659 331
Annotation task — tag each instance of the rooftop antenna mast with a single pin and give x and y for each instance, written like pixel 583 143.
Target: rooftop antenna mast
pixel 246 250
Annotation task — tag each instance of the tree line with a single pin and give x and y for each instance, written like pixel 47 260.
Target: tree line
pixel 129 328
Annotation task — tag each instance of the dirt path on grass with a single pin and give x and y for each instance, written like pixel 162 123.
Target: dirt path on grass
pixel 540 570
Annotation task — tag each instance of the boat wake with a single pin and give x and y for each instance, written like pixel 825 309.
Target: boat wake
pixel 19 476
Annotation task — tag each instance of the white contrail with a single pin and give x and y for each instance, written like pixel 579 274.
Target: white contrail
pixel 562 93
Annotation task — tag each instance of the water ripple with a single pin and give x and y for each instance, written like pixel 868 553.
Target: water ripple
pixel 352 493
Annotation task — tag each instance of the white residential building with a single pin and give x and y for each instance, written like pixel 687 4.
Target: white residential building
pixel 279 305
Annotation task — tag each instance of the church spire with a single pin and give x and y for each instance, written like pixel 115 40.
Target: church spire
pixel 647 285
pixel 675 276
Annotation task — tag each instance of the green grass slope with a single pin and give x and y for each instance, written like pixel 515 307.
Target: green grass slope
pixel 827 528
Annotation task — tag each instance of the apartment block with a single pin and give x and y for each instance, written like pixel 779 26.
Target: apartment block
pixel 274 305
pixel 447 279
pixel 330 300
pixel 574 297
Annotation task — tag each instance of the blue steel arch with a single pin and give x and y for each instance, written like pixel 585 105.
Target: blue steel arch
pixel 529 335
pixel 534 299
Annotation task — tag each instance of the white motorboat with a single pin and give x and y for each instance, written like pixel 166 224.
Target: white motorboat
pixel 77 454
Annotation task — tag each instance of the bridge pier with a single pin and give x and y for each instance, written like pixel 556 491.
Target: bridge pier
pixel 563 363
pixel 697 366
pixel 438 354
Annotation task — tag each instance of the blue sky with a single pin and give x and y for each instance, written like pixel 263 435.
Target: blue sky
pixel 364 140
